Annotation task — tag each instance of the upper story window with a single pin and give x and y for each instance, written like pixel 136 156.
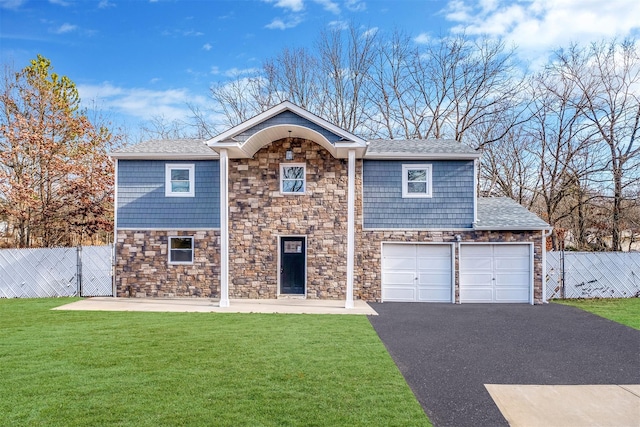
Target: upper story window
pixel 181 250
pixel 292 178
pixel 179 180
pixel 416 180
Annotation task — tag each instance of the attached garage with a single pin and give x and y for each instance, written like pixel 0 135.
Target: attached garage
pixel 495 273
pixel 417 272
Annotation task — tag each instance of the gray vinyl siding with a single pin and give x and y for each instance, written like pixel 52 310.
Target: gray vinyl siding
pixel 142 202
pixel 451 204
pixel 288 118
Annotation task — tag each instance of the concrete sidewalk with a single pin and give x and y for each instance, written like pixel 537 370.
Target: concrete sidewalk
pixel 206 305
pixel 568 405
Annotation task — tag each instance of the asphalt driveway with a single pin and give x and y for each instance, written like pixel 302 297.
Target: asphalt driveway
pixel 447 353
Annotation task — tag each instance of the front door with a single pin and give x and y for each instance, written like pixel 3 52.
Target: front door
pixel 292 265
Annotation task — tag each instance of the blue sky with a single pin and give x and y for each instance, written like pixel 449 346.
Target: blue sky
pixel 148 58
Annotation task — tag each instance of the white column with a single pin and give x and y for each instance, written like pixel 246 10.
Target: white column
pixel 224 228
pixel 351 240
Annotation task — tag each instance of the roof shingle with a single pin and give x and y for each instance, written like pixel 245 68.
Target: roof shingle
pixel 178 148
pixel 503 213
pixel 418 147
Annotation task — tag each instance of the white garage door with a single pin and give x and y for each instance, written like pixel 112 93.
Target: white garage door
pixel 495 273
pixel 416 272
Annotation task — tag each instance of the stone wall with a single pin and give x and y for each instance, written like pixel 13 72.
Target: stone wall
pixel 368 284
pixel 143 269
pixel 259 213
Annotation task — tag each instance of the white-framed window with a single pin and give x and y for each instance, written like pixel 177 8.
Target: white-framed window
pixel 181 250
pixel 416 180
pixel 292 178
pixel 179 180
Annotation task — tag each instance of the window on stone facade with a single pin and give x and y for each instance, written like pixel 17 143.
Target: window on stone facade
pixel 292 178
pixel 179 180
pixel 416 180
pixel 181 250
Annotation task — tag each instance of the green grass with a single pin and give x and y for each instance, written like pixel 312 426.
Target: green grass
pixel 623 310
pixel 72 368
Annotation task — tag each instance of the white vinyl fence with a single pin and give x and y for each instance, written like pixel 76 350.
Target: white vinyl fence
pixel 593 275
pixel 56 272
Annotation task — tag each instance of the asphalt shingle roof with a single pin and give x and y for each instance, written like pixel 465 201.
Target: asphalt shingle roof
pixel 419 146
pixel 177 147
pixel 503 213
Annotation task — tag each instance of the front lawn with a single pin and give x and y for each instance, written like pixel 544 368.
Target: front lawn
pixel 71 368
pixel 622 310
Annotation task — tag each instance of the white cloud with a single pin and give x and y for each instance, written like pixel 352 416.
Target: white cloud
pixel 65 28
pixel 370 32
pixel 355 5
pixel 142 103
pixel 279 24
pixel 293 5
pixel 329 6
pixel 207 46
pixel 11 4
pixel 422 38
pixel 215 70
pixel 104 4
pixel 537 26
pixel 60 2
pixel 235 72
pixel 338 25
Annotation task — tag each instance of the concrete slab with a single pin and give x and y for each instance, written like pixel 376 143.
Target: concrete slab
pixel 567 405
pixel 206 305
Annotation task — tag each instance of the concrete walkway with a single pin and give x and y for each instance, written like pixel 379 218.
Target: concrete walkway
pixel 568 405
pixel 206 305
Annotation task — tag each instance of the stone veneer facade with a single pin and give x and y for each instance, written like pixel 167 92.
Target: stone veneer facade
pixel 259 214
pixel 143 269
pixel 368 284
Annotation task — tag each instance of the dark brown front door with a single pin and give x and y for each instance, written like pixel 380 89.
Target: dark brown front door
pixel 292 265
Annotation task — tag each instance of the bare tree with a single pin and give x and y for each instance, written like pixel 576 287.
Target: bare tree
pixel 462 83
pixel 608 75
pixel 344 66
pixel 293 75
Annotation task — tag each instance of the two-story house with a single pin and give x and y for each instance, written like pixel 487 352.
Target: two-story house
pixel 288 204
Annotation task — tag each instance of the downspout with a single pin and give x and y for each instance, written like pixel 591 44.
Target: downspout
pixel 351 197
pixel 544 263
pixel 475 192
pixel 224 228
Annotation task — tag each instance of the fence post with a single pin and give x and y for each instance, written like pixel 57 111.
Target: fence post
pixel 562 290
pixel 79 269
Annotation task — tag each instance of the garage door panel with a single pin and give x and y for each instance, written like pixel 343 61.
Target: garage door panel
pixel 442 280
pixel 512 263
pixel 514 250
pixel 511 295
pixel 391 250
pixel 399 294
pixel 434 264
pixel 433 251
pixel 478 263
pixel 399 264
pixel 396 277
pixel 511 279
pixel 476 279
pixel 476 294
pixel 473 250
pixel 433 295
